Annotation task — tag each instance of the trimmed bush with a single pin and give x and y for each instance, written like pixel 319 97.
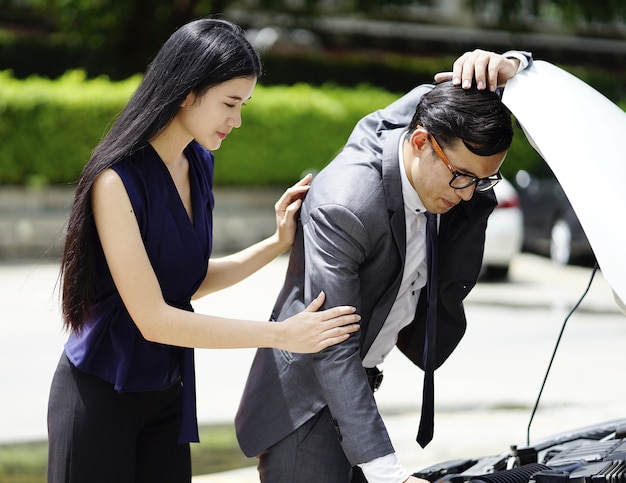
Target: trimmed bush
pixel 288 130
pixel 48 129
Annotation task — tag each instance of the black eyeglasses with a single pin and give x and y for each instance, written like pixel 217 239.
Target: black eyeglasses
pixel 461 181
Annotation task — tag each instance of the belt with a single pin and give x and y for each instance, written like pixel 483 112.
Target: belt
pixel 374 377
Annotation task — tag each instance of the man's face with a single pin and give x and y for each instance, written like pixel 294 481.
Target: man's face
pixel 430 175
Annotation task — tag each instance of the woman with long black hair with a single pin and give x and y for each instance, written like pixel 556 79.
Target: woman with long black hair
pixel 122 402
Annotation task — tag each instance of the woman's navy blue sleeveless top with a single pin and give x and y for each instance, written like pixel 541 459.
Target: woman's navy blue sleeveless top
pixel 110 345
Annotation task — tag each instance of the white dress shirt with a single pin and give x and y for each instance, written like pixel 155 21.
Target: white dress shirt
pixel 413 277
pixel 387 469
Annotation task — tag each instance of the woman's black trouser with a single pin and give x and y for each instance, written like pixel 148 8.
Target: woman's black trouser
pixel 98 435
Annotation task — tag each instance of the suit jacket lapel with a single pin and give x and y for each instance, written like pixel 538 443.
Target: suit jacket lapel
pixel 392 184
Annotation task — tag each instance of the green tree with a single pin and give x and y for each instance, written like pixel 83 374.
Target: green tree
pixel 128 31
pixel 570 11
pixel 592 10
pixel 320 6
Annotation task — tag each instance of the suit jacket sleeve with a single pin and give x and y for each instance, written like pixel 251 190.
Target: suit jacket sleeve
pixel 336 243
pixel 338 235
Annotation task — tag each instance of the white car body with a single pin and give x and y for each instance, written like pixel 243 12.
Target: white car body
pixel 505 232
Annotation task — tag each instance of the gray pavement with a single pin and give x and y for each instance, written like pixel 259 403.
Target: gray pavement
pixel 485 392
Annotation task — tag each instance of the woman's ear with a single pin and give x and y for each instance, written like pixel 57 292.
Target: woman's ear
pixel 189 100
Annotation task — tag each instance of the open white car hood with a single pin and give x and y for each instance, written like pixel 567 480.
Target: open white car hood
pixel 582 137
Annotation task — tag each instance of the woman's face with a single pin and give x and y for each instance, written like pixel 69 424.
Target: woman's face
pixel 211 117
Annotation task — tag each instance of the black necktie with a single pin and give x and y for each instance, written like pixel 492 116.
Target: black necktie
pixel 425 432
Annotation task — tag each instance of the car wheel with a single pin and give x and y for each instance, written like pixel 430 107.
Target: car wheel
pixel 561 242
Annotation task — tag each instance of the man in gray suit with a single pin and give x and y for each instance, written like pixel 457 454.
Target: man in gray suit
pixel 361 240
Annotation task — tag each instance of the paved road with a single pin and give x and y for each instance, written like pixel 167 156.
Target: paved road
pixel 485 392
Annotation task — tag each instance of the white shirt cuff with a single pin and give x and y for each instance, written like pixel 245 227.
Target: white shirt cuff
pixel 516 54
pixel 386 469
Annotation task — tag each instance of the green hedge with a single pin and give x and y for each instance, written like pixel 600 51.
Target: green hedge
pixel 288 130
pixel 48 129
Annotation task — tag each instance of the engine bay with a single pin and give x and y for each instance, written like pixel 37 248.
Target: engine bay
pixel 594 454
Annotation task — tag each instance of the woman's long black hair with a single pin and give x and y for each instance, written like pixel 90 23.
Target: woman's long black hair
pixel 198 56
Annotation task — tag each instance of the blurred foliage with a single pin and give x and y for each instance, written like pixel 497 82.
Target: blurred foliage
pixel 511 12
pixel 289 130
pixel 218 451
pixel 393 72
pixel 592 10
pixel 49 128
pixel 117 37
pixel 120 37
pixel 317 7
pixel 23 462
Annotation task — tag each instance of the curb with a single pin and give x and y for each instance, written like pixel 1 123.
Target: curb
pixel 32 221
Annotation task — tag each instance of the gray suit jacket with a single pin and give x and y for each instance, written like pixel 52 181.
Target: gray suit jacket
pixel 351 244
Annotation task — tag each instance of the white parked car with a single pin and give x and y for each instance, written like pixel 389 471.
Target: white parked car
pixel 505 233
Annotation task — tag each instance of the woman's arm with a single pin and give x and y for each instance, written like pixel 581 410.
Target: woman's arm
pixel 135 280
pixel 226 271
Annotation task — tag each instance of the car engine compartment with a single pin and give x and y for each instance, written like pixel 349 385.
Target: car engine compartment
pixel 594 454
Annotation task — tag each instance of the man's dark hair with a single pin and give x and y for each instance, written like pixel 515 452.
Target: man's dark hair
pixel 478 118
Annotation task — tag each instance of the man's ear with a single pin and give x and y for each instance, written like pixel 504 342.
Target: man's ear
pixel 418 139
